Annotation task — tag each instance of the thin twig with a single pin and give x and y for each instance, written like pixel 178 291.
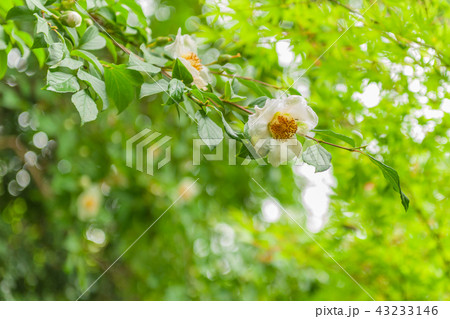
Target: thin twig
pixel 353 149
pixel 238 106
pixel 248 79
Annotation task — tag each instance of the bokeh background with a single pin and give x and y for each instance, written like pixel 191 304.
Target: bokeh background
pixel 69 206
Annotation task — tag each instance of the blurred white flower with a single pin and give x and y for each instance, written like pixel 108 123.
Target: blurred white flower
pixel 184 48
pixel 273 128
pixel 187 188
pixel 89 203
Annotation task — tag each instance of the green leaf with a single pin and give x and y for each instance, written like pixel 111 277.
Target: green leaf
pixel 209 132
pixel 85 105
pixel 213 97
pixel 357 137
pixel 134 63
pixel 151 58
pixel 39 41
pixel 231 133
pixel 43 28
pixel 90 58
pixel 176 90
pixel 180 72
pixel 56 53
pixel 247 150
pixel 392 177
pixel 91 40
pixel 293 91
pixel 318 157
pixel 229 94
pixel 3 63
pixel 120 86
pixel 38 4
pixel 256 88
pixel 154 88
pixel 97 85
pixel 350 141
pixel 198 94
pixel 260 102
pixel 68 63
pixel 21 13
pixel 61 82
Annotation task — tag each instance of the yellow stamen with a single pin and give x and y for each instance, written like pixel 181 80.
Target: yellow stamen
pixel 193 60
pixel 282 126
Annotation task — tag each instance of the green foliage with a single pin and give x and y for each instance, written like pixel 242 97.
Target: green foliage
pixel 208 131
pixel 121 85
pixel 391 176
pixel 318 157
pixel 180 72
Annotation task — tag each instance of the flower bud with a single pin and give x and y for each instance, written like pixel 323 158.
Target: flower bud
pixel 162 40
pixel 71 19
pixel 225 58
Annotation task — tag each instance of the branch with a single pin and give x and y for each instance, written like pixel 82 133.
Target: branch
pixel 238 106
pixel 350 149
pixel 13 142
pixel 248 79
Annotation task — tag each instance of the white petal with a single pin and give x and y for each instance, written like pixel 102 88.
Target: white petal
pixel 282 151
pixel 300 110
pixel 183 44
pixel 258 122
pixel 199 80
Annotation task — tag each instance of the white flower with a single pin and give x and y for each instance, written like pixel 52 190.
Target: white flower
pixel 273 128
pixel 184 48
pixel 89 203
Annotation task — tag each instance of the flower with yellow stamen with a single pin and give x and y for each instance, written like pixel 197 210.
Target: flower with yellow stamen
pixel 273 128
pixel 184 48
pixel 89 203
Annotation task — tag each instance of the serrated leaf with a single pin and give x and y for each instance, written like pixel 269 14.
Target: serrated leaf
pixel 90 58
pixel 176 90
pixel 85 105
pixel 209 132
pixel 151 58
pixel 350 141
pixel 181 72
pixel 61 82
pixel 121 85
pixel 97 85
pixel 259 102
pixel 154 88
pixel 392 177
pixel 134 63
pixel 198 94
pixel 318 157
pixel 68 63
pixel 43 28
pixel 91 40
pixel 228 129
pixel 55 53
